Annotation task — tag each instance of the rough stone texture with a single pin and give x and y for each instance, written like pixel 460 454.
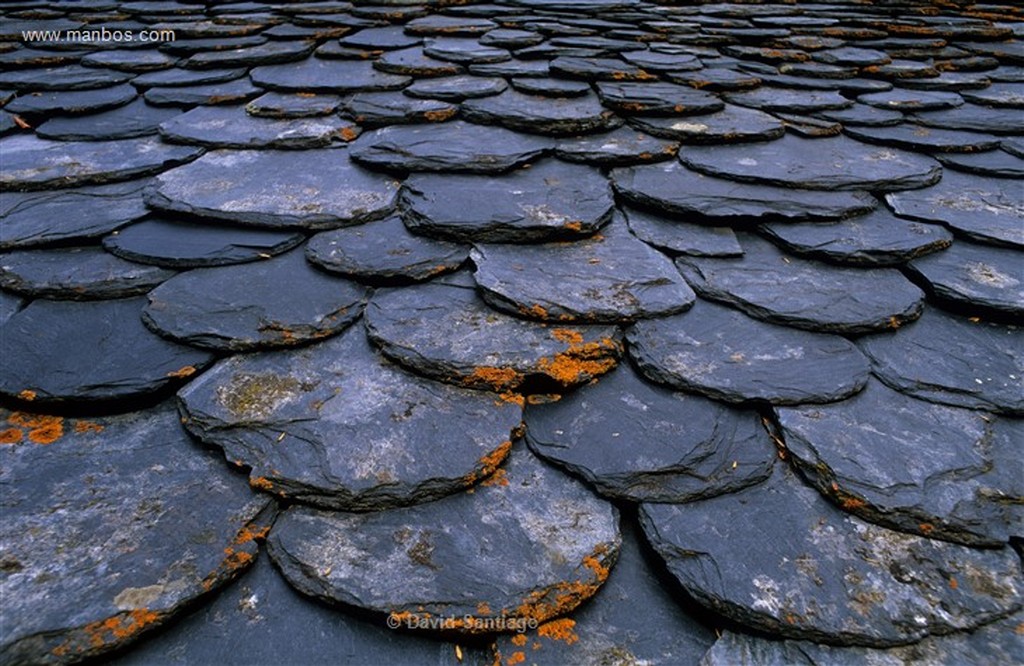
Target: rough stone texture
pixel 317 75
pixel 235 91
pixel 336 425
pixel 778 558
pixel 112 526
pixel 289 105
pixel 232 127
pixel 913 466
pixel 384 251
pixel 722 353
pixel 454 146
pixel 126 122
pixel 836 163
pixel 616 148
pixel 78 273
pixel 925 139
pixel 731 125
pixel 674 189
pixel 381 109
pixel 611 277
pixel 541 115
pixel 992 163
pixel 279 302
pixel 976 278
pixel 952 360
pixel 673 235
pixel 73 102
pixel 548 201
pixel 635 441
pixel 43 360
pixel 806 294
pixel 448 333
pixel 33 164
pixel 529 546
pixel 312 189
pixel 657 99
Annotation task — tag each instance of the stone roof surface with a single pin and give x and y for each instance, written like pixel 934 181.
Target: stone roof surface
pixel 608 332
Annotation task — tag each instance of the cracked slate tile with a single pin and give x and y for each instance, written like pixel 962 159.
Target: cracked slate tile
pixel 232 127
pixel 336 425
pixel 447 332
pixel 76 273
pixel 113 525
pixel 529 546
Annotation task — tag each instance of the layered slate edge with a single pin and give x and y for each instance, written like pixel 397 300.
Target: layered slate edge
pixel 494 319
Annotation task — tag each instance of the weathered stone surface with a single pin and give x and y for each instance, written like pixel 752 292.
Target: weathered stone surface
pixel 111 527
pixel 413 62
pixel 911 465
pixel 43 360
pixel 998 94
pixel 279 302
pixel 317 75
pixel 549 545
pixel 236 91
pixel 976 278
pixel 778 558
pixel 912 100
pixel 232 127
pixel 251 56
pixel 876 239
pixel 390 108
pixel 724 354
pixel 32 164
pixel 645 98
pixel 78 273
pixel 982 209
pixel 455 146
pixel 547 201
pixel 313 189
pixel 448 333
pixel 129 61
pixel 716 78
pixel 336 425
pixel 635 441
pixel 805 294
pixel 609 630
pixel 126 122
pixel 37 218
pixel 464 51
pixel 992 163
pixel 836 163
pixel 67 77
pixel 678 237
pixel 384 251
pixel 863 115
pixel 952 360
pixel 378 39
pixel 926 139
pixel 533 85
pixel 186 77
pixel 72 102
pixel 619 147
pixel 293 105
pixel 611 277
pixel 541 115
pixel 598 69
pixel 789 101
pixel 972 117
pixel 456 88
pixel 730 125
pixel 672 188
pixel 9 305
pixel 176 244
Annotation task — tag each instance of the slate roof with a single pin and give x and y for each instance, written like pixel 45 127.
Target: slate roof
pixel 547 331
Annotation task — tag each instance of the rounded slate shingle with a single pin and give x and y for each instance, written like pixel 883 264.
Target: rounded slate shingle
pixel 78 273
pixel 316 75
pixel 232 127
pixel 730 125
pixel 126 122
pixel 976 278
pixel 674 236
pixel 72 102
pixel 541 115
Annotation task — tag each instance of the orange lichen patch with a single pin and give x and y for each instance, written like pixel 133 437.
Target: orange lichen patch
pixel 440 116
pixel 488 464
pixel 10 436
pixel 499 478
pixel 495 378
pixel 115 629
pixel 186 371
pixel 41 429
pixel 514 398
pixel 261 483
pixel 894 323
pixel 953 584
pixel 236 559
pixel 594 564
pixel 348 134
pixel 82 427
pixel 852 503
pixel 581 361
pixel 573 225
pixel 248 534
pixel 516 657
pixel 483 609
pixel 926 528
pixel 534 311
pixel 559 630
pixel 27 395
pixel 567 335
pixel 519 640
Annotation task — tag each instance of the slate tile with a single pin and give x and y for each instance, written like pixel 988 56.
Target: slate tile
pixel 33 164
pixel 768 98
pixel 716 78
pixel 541 115
pixel 805 294
pixel 169 78
pixel 9 305
pixel 972 117
pixel 778 558
pixel 413 61
pixel 336 425
pixel 836 163
pixel 77 273
pixel 645 98
pixel 383 252
pixel 316 75
pixel 456 88
pixel 277 188
pixel 232 127
pixel 510 38
pixel 72 102
pixel 447 332
pixel 64 77
pixel 380 109
pixel 251 56
pixel 532 85
pixel 135 60
pixel 463 51
pixel 287 106
pixel 449 25
pixel 1009 95
pixel 653 61
pixel 952 360
pixel 910 465
pixel 130 121
pixel 673 189
pixel 991 163
pixel 979 279
pixel 449 147
pixel 723 354
pixel 514 67
pixel 385 38
pixel 598 69
pixel 113 526
pixel 620 147
pixel 526 548
pixel 610 277
pixel 235 91
pixel 547 201
pixel 732 124
pixel 219 38
pixel 925 139
pixel 42 347
pixel 675 236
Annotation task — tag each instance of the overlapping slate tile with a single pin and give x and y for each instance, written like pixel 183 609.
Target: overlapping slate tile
pixel 231 127
pixel 778 558
pixel 953 360
pixel 72 102
pixel 78 273
pixel 37 218
pixel 982 209
pixel 384 108
pixel 456 88
pixel 730 125
pixel 112 526
pixel 293 105
pixel 234 91
pixel 678 237
pixel 317 75
pixel 43 360
pixel 277 302
pixel 455 146
pixel 926 139
pixel 126 122
pixel 33 164
pixel 538 85
pixel 972 117
pixel 251 56
pixel 807 294
pixel 722 353
pixel 169 78
pixel 992 163
pixel 384 251
pixel 528 547
pixel 464 51
pixel 336 425
pixel 413 62
pixel 976 278
pixel 66 77
pixel 672 188
pixel 313 189
pixel 927 469
pixel 548 201
pixel 610 277
pixel 836 163
pixel 647 98
pixel 541 115
pixel 620 147
pixel 447 332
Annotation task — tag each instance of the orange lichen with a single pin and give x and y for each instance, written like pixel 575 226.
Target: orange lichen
pixel 926 528
pixel 567 335
pixel 186 371
pixel 519 640
pixel 261 483
pixel 953 584
pixel 117 628
pixel 852 503
pixel 483 609
pixel 348 134
pixel 27 395
pixel 581 361
pixel 534 311
pixel 514 398
pixel 82 427
pixel 516 657
pixel 249 533
pixel 41 429
pixel 559 630
pixel 440 116
pixel 573 225
pixel 594 564
pixel 10 436
pixel 499 478
pixel 493 377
